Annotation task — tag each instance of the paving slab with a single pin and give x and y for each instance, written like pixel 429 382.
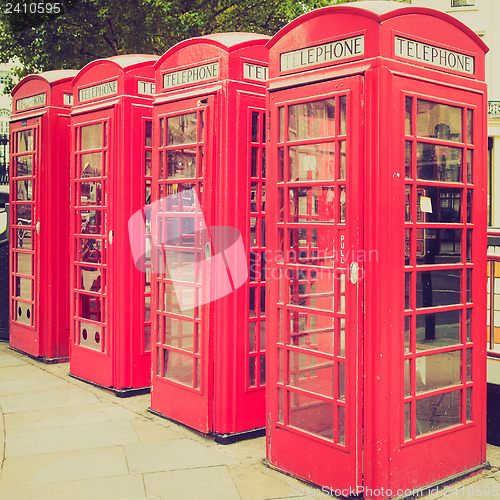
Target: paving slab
pixel 65 417
pixel 98 435
pixel 211 483
pixel 57 467
pixel 11 360
pixel 114 488
pixel 149 431
pixel 47 399
pixel 27 378
pixel 172 455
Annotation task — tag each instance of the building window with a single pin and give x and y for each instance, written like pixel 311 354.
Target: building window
pixel 462 3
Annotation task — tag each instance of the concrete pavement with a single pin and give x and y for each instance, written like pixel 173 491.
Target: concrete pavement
pixel 63 439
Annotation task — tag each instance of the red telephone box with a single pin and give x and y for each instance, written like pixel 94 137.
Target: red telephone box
pixel 376 188
pixel 110 179
pixel 39 197
pixel 209 301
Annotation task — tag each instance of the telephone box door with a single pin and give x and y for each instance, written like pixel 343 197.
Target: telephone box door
pixel 183 362
pixel 90 278
pixel 315 281
pixel 24 242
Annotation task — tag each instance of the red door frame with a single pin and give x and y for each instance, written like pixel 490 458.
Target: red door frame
pixel 332 463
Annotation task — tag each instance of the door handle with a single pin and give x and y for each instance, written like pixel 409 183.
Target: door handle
pixel 111 235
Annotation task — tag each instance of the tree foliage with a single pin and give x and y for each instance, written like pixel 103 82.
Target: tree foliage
pixel 86 30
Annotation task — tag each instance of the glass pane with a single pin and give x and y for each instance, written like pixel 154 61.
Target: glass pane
pixel 438 288
pixel 439 121
pixel 408 148
pixel 468 404
pixel 440 246
pixel 310 414
pixel 439 163
pixel 182 129
pixel 407 377
pixel 91 137
pixel 342 204
pixel 23 214
pixel 23 190
pixel 178 367
pixel 342 160
pixel 408 246
pixel 252 379
pixel 437 412
pixel 407 290
pixel 408 103
pixel 147 162
pixel 251 336
pixel 148 134
pixel 469 245
pixel 407 421
pixel 24 239
pixel 468 366
pixel 89 307
pixel 281 124
pixel 469 285
pixel 90 250
pixel 311 120
pixel 24 165
pixel 181 163
pixel 255 126
pixel 201 136
pixel 254 162
pixel 436 204
pixel 341 425
pixel 90 279
pixel 407 333
pixel 91 165
pixel 469 205
pixel 467 325
pixel 90 193
pixel 262 369
pixel 437 330
pixel 24 263
pixel 90 221
pixel 312 162
pixel 436 371
pixel 408 204
pixel 469 166
pixel 179 333
pixel 312 204
pixel 343 112
pixel 311 331
pixel 25 141
pixel 341 387
pixel 469 126
pixel 23 288
pixel 341 338
pixel 308 288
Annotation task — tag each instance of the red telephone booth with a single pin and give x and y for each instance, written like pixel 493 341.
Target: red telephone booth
pixel 110 179
pixel 39 197
pixel 209 303
pixel 376 188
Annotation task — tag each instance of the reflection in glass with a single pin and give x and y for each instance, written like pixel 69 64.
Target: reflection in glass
pixel 91 165
pixel 407 377
pixel 281 124
pixel 312 204
pixel 342 207
pixel 25 140
pixel 311 120
pixel 438 288
pixel 90 279
pixel 408 148
pixel 311 373
pixel 469 166
pixel 181 163
pixel 182 129
pixel 255 126
pixel 407 333
pixel 311 415
pixel 435 204
pixel 312 162
pixel 24 165
pixel 90 193
pixel 147 162
pixel 90 250
pixel 23 288
pixel 343 112
pixel 469 126
pixel 341 387
pixel 23 190
pixel 437 412
pixel 440 246
pixel 468 404
pixel 341 338
pixel 439 121
pixel 91 137
pixel 436 330
pixel 468 366
pixel 436 371
pixel 342 160
pixel 408 106
pixel 178 367
pixel 23 214
pixel 407 421
pixel 90 307
pixel 311 330
pixel 148 134
pixel 24 263
pixel 23 239
pixel 469 205
pixel 439 163
pixel 407 290
pixel 90 222
pixel 408 204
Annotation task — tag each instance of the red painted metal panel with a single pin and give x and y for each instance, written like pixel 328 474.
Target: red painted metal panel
pixel 218 81
pixel 39 189
pixel 110 178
